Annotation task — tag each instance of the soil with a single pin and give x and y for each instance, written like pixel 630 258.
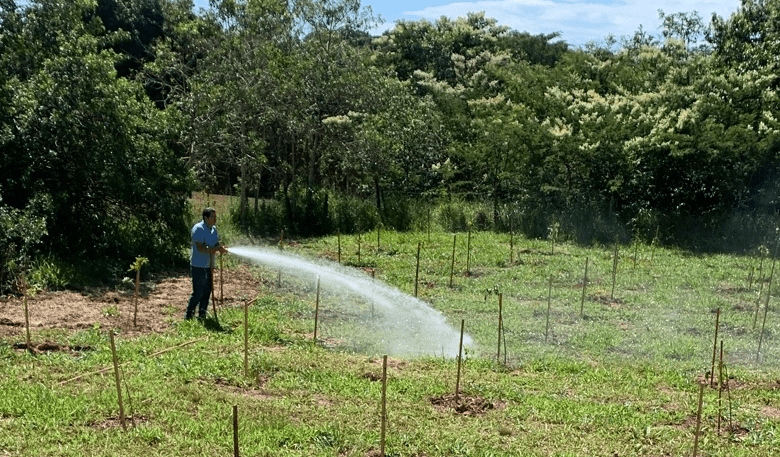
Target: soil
pixel 162 301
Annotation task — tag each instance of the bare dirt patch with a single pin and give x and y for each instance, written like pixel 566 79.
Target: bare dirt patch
pixel 162 301
pixel 115 422
pixel 464 405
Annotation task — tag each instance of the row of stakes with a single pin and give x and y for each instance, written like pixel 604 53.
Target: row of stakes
pixel 383 415
pixel 141 261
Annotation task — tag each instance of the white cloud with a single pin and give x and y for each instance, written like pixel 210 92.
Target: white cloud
pixel 578 21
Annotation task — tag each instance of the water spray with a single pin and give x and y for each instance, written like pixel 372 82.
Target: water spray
pixel 398 324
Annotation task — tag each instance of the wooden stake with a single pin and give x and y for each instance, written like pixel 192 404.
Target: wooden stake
pixel 384 407
pixel 468 255
pixel 760 287
pixel 317 309
pixel 116 378
pixel 152 355
pixel 246 338
pixel 766 306
pixel 452 266
pixel 338 235
pixel 221 291
pixel 26 313
pixel 460 357
pixel 213 294
pixel 584 286
pixel 728 394
pixel 417 269
pixel 511 244
pixel 549 304
pixel 500 325
pixel 378 230
pixel 720 385
pixel 135 296
pixel 714 348
pixel 235 430
pixel 358 248
pixel 698 421
pixel 614 271
pixel 653 243
pixel 429 224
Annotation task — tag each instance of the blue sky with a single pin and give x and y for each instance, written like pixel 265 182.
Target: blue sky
pixel 578 21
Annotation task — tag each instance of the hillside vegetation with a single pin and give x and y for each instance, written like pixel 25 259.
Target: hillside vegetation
pixel 113 111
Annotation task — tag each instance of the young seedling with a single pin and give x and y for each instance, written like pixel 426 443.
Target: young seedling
pixel 136 266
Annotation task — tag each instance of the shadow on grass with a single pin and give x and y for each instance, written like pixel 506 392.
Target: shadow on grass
pixel 212 324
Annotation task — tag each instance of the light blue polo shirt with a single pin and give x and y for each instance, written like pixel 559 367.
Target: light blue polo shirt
pixel 208 236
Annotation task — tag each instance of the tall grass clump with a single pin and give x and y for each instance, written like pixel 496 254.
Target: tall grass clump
pixel 350 214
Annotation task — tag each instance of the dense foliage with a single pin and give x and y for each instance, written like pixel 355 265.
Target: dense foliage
pixel 109 108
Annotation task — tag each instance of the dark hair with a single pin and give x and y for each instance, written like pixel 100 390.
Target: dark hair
pixel 208 212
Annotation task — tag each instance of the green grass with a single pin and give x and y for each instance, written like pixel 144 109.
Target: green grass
pixel 620 379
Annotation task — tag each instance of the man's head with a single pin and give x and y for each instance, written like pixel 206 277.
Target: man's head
pixel 210 216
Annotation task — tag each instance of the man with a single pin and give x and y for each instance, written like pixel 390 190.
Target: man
pixel 205 243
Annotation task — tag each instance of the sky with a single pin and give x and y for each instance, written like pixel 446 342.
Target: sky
pixel 577 21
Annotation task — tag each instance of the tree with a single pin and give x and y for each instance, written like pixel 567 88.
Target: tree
pixel 87 147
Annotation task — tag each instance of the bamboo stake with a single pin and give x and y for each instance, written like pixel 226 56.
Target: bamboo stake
pixel 468 255
pixel 429 224
pixel 636 251
pixel 714 348
pixel 760 287
pixel 213 296
pixel 358 240
pixel 766 306
pixel 135 296
pixel 511 243
pixel 378 230
pixel 460 357
pixel 116 378
pixel 384 407
pixel 338 235
pixel 698 421
pixel 653 243
pixel 584 286
pixel 452 266
pixel 221 290
pixel 417 269
pixel 317 309
pixel 109 368
pixel 720 385
pixel 549 304
pixel 246 337
pixel 500 325
pixel 728 394
pixel 614 271
pixel 26 313
pixel 235 430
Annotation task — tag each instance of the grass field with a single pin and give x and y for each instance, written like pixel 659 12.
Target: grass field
pixel 614 374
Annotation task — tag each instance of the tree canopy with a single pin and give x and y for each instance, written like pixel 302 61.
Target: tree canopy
pixel 113 111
